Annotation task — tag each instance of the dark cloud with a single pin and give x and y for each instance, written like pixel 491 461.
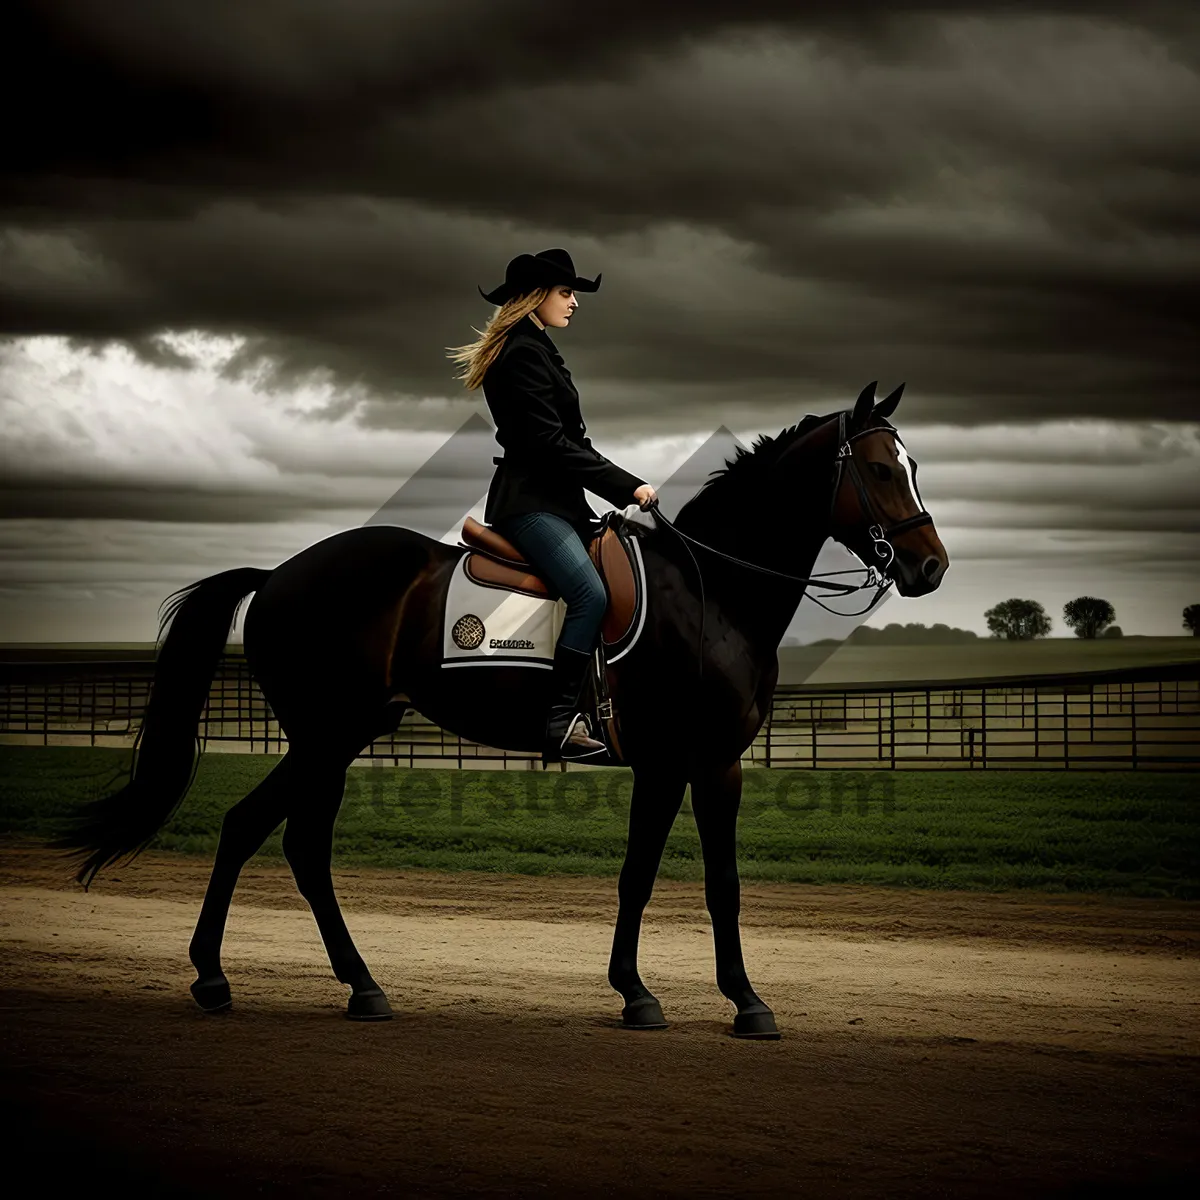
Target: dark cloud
pixel 995 201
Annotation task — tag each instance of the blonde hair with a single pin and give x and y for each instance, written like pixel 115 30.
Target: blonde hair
pixel 476 357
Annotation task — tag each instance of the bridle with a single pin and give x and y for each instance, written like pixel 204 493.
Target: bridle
pixel 844 465
pixel 880 534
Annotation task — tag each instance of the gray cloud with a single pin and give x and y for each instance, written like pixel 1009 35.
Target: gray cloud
pixel 161 502
pixel 995 203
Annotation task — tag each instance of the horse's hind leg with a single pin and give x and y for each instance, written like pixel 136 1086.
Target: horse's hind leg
pixel 657 794
pixel 245 827
pixel 308 847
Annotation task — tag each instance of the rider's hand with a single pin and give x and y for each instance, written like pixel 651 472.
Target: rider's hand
pixel 645 496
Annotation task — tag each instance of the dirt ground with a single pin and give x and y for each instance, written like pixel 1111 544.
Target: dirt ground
pixel 934 1043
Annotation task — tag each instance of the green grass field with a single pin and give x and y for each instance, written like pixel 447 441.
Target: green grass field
pixel 986 658
pixel 1114 832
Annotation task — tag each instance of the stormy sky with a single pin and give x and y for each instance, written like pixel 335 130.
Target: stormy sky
pixel 235 240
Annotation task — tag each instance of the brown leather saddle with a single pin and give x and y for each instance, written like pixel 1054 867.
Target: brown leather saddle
pixel 494 561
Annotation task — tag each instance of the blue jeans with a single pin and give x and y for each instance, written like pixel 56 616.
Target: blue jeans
pixel 557 553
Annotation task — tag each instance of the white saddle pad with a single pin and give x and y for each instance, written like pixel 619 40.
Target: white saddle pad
pixel 483 625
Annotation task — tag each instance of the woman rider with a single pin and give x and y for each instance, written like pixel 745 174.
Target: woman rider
pixel 536 495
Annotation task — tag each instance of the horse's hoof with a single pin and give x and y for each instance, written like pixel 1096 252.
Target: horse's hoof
pixel 645 1013
pixel 757 1023
pixel 212 995
pixel 371 1005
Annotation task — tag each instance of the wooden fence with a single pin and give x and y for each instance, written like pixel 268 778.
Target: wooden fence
pixel 1146 717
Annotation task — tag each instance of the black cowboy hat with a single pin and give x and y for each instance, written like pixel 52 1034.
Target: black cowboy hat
pixel 527 272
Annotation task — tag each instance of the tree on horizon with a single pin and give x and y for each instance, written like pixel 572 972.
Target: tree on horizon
pixel 1017 620
pixel 1088 615
pixel 1191 619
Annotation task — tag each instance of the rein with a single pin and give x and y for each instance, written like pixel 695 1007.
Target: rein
pixel 879 534
pixel 874 579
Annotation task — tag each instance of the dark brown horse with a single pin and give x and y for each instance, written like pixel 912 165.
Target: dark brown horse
pixel 344 637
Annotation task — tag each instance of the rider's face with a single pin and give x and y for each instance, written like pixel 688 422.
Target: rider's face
pixel 557 308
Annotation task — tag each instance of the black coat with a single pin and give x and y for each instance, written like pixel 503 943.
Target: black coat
pixel 548 460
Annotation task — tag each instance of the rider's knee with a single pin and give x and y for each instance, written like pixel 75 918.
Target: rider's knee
pixel 589 598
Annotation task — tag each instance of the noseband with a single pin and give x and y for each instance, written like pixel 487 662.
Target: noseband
pixel 844 465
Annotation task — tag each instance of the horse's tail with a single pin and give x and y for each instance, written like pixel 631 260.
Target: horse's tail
pixel 165 751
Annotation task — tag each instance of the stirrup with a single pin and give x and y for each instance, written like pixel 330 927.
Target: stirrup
pixel 577 737
pixel 565 750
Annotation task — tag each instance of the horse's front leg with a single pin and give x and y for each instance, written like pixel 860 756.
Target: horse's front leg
pixel 716 796
pixel 657 794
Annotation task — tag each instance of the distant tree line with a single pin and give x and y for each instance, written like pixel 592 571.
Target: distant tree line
pixel 1087 616
pixel 1014 620
pixel 1022 620
pixel 913 634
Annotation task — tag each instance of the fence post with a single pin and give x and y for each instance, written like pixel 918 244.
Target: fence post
pixel 1133 723
pixel 1066 731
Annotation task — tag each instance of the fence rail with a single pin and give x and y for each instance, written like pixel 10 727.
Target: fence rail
pixel 1145 719
pixel 1135 718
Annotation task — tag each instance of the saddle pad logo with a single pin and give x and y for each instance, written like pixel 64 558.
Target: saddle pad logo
pixel 468 632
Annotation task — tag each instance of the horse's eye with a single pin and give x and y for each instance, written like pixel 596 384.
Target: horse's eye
pixel 882 473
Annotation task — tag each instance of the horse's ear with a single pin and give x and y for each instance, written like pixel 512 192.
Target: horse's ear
pixel 863 405
pixel 887 405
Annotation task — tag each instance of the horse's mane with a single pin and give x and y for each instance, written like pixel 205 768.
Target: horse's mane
pixel 747 468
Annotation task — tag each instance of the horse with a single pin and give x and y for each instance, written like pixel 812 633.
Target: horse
pixel 723 582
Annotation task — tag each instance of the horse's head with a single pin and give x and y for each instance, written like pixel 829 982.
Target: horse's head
pixel 877 511
pixel 871 502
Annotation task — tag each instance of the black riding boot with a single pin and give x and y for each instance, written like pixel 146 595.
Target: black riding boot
pixel 567 726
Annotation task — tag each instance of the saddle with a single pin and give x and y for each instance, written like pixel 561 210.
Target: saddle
pixel 494 561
